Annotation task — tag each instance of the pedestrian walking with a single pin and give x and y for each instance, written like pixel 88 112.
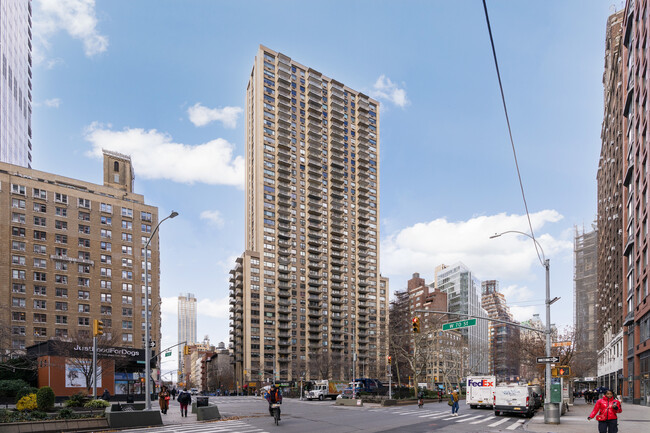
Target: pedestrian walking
pixel 605 412
pixel 453 399
pixel 163 400
pixel 184 398
pixel 173 393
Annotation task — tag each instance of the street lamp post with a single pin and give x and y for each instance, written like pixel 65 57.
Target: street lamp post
pixel 550 416
pixel 147 351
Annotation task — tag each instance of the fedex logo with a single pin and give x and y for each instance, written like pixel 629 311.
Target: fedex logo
pixel 483 382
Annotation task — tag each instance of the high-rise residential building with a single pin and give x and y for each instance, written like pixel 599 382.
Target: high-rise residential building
pixel 186 325
pixel 611 299
pixel 534 338
pixel 73 252
pixel 585 275
pixel 503 339
pixel 307 294
pixel 462 289
pixel 636 322
pixel 16 82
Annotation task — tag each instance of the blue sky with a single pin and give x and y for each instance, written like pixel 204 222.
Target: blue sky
pixel 165 82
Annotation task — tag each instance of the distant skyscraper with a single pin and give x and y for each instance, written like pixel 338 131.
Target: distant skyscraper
pixel 611 298
pixel 503 338
pixel 307 294
pixel 16 82
pixel 586 305
pixel 462 290
pixel 186 324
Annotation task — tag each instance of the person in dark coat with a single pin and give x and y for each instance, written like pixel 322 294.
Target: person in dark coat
pixel 106 395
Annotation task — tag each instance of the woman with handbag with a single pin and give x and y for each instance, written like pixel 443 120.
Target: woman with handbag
pixel 163 400
pixel 605 411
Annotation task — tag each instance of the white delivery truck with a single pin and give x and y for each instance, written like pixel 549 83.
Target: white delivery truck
pixel 480 391
pixel 514 399
pixel 326 389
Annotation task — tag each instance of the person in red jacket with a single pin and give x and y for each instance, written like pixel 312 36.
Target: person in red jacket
pixel 607 408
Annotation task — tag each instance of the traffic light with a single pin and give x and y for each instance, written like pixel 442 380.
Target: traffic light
pixel 416 325
pixel 98 328
pixel 186 350
pixel 561 371
pixel 142 380
pixel 390 360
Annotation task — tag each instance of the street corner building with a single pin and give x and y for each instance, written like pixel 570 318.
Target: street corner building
pixel 307 299
pixel 72 252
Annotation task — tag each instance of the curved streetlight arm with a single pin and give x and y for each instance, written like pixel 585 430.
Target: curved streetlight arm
pixel 542 259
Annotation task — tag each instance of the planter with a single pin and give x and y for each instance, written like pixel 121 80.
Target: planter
pixel 207 413
pixel 348 402
pixel 55 425
pixel 132 415
pixel 389 402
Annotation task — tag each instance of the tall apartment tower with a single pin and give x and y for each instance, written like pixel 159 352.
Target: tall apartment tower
pixel 504 339
pixel 585 275
pixel 610 297
pixel 307 294
pixel 16 82
pixel 186 324
pixel 71 253
pixel 462 290
pixel 636 322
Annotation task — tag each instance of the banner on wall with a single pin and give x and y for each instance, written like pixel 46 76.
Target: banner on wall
pixel 74 373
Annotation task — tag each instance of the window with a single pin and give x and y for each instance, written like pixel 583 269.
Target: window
pixel 18 316
pixel 40 318
pixel 39 235
pixel 17 189
pixel 128 225
pixel 18 204
pixel 127 275
pixel 18 231
pixel 40 276
pixel 105 259
pixel 40 207
pixel 61 293
pixel 84 216
pixel 40 249
pixel 18 302
pixel 61 239
pixel 145 216
pixel 39 221
pixel 125 299
pixel 17 246
pixel 18 288
pixel 127 287
pixel 127 262
pixel 84 229
pixel 18 218
pixel 107 208
pixel 127 324
pixel 84 282
pixel 83 202
pixel 60 211
pixel 84 242
pixel 61 198
pixel 105 284
pixel 61 333
pixel 127 237
pixel 106 233
pixel 105 297
pixel 84 308
pixel 18 260
pixel 40 304
pixel 127 337
pixel 127 250
pixel 83 321
pixel 128 312
pixel 61 320
pixel 39 193
pixel 106 246
pixel 106 310
pixel 146 228
pixel 60 225
pixel 105 220
pixel 83 269
pixel 105 272
pixel 40 263
pixel 127 212
pixel 60 279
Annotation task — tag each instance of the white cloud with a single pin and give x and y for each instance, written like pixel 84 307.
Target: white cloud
pixel 75 17
pixel 53 103
pixel 385 89
pixel 214 217
pixel 200 115
pixel 156 156
pixel 423 246
pixel 214 308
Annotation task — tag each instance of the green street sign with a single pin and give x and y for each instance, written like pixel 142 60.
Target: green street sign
pixel 168 354
pixel 459 324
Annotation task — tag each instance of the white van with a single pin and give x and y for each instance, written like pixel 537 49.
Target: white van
pixel 514 399
pixel 480 391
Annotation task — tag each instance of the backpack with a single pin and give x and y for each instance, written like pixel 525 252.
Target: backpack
pixel 185 396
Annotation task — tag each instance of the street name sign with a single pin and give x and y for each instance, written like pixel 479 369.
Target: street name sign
pixel 459 324
pixel 548 359
pixel 168 354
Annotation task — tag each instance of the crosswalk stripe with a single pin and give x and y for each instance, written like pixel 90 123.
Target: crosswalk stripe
pixel 455 417
pixel 516 424
pixel 435 414
pixel 494 424
pixel 469 419
pixel 483 420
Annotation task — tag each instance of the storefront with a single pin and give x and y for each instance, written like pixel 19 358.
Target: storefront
pixel 67 368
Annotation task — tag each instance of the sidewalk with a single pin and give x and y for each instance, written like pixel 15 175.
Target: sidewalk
pixel 634 418
pixel 174 413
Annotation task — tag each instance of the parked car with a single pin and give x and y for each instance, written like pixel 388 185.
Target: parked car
pixel 194 391
pixel 514 399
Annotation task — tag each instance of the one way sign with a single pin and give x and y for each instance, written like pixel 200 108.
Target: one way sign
pixel 548 359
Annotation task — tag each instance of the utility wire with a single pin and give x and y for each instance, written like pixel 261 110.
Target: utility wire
pixel 512 142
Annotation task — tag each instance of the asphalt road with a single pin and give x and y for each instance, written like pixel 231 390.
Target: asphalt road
pixel 250 415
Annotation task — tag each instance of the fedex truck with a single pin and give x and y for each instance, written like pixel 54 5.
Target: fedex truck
pixel 480 391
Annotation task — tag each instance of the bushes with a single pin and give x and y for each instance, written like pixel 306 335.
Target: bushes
pixel 66 414
pixel 27 402
pixel 9 388
pixel 25 391
pixel 45 398
pixel 97 404
pixel 76 400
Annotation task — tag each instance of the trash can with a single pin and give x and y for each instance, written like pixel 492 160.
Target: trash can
pixel 130 398
pixel 552 413
pixel 201 401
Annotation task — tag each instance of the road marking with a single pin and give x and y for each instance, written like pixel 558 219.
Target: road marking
pixel 483 420
pixel 435 414
pixel 469 419
pixel 494 424
pixel 455 417
pixel 516 424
